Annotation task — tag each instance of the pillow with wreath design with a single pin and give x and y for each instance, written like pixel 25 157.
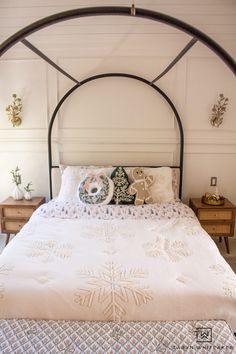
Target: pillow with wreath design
pixel 95 189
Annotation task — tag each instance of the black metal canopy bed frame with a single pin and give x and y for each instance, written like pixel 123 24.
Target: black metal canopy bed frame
pixel 105 330
pixel 118 11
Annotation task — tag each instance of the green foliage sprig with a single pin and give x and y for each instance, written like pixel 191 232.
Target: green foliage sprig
pixel 16 176
pixel 28 188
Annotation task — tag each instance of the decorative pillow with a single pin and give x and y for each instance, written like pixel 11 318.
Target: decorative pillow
pixel 161 190
pixel 71 178
pixel 175 182
pixel 140 186
pixel 121 185
pixel 95 189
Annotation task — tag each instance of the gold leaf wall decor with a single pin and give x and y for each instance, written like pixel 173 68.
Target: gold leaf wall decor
pixel 218 111
pixel 13 111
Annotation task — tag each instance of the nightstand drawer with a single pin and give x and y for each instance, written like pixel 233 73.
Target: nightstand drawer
pixel 215 214
pixel 17 212
pixel 12 226
pixel 221 229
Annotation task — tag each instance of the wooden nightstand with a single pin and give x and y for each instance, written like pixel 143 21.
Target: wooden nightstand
pixel 15 213
pixel 218 221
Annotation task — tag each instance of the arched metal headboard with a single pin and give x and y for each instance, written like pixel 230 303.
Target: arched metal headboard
pixel 118 11
pixel 134 77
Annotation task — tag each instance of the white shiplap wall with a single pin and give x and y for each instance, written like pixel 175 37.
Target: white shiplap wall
pixel 101 44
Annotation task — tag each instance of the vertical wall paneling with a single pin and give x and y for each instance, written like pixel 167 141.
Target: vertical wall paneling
pixel 118 121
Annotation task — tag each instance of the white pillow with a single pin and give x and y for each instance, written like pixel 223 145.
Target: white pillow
pixel 161 189
pixel 71 178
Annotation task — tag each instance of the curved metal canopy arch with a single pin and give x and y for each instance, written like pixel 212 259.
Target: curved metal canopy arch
pixel 120 11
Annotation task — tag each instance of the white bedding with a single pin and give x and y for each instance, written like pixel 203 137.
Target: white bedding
pixel 151 262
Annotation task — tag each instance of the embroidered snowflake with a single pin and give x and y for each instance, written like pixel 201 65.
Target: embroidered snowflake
pixel 217 268
pixel 4 271
pixel 229 287
pixel 172 250
pixel 159 228
pixel 47 250
pixel 192 227
pixel 188 226
pixel 228 282
pixel 113 287
pixel 108 232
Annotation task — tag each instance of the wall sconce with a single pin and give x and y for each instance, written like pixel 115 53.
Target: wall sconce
pixel 13 111
pixel 218 111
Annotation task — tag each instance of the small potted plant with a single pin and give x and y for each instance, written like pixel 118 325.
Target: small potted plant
pixel 28 189
pixel 17 193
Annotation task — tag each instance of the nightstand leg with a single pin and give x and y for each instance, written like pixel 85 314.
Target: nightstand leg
pixel 227 244
pixel 7 239
pixel 220 239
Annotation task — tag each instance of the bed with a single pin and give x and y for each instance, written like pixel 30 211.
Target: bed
pixel 91 278
pixel 116 263
pixel 117 278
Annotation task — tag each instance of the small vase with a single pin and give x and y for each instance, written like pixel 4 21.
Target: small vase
pixel 17 193
pixel 28 196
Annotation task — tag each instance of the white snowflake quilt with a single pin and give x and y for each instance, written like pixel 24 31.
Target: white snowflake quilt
pixel 122 263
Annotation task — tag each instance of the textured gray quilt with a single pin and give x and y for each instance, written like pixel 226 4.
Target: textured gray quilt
pixel 43 337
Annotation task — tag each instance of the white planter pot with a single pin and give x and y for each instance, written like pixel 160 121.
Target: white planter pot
pixel 17 193
pixel 28 196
